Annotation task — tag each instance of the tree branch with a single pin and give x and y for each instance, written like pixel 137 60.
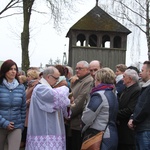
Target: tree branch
pixel 11 4
pixel 11 15
pixel 132 10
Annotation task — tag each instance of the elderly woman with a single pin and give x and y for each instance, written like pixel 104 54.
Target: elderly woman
pixel 101 111
pixel 12 106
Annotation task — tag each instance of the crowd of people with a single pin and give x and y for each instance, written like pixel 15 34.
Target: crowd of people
pixel 56 109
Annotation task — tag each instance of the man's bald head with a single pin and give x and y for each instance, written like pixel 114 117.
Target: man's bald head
pixel 94 66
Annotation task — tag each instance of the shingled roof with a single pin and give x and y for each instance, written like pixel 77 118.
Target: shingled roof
pixel 98 20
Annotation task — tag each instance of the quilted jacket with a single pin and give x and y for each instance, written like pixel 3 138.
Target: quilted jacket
pixel 12 106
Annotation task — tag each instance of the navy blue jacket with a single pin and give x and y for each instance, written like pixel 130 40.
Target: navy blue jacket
pixel 120 87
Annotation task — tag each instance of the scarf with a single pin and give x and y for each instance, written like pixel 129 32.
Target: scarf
pixel 31 82
pixel 102 86
pixel 146 83
pixel 11 85
pixel 119 77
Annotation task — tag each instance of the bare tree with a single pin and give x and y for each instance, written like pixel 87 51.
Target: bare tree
pixel 137 12
pixel 56 8
pixel 50 61
pixel 56 13
pixel 12 4
pixel 57 61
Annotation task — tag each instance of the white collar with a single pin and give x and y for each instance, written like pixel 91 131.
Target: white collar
pixel 43 81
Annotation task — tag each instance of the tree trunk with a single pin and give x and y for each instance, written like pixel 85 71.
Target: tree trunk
pixel 25 35
pixel 148 27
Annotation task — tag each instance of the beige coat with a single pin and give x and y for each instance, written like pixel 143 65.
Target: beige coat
pixel 81 90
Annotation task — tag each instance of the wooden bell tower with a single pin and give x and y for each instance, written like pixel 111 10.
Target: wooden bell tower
pixel 97 36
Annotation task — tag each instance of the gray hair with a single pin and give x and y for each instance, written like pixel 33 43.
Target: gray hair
pixel 49 70
pixel 70 70
pixel 84 63
pixel 132 74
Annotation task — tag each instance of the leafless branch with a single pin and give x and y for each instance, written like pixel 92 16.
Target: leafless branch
pixel 135 12
pixel 10 15
pixel 141 6
pixel 11 4
pixel 129 19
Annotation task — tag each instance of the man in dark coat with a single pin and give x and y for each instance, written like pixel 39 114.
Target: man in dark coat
pixel 140 120
pixel 127 102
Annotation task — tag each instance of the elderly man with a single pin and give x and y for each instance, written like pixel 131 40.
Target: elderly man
pixel 140 120
pixel 48 107
pixel 127 102
pixel 81 89
pixel 94 66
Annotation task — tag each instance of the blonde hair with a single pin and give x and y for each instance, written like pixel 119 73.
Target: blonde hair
pixel 105 75
pixel 22 78
pixel 33 73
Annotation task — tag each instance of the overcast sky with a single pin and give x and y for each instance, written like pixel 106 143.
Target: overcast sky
pixel 45 42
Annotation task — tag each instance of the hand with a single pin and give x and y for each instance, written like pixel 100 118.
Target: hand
pixel 130 124
pixel 10 127
pixel 72 100
pixel 70 95
pixel 73 79
pixel 28 101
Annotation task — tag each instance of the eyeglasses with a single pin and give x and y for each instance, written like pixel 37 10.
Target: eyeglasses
pixel 93 70
pixel 56 78
pixel 79 68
